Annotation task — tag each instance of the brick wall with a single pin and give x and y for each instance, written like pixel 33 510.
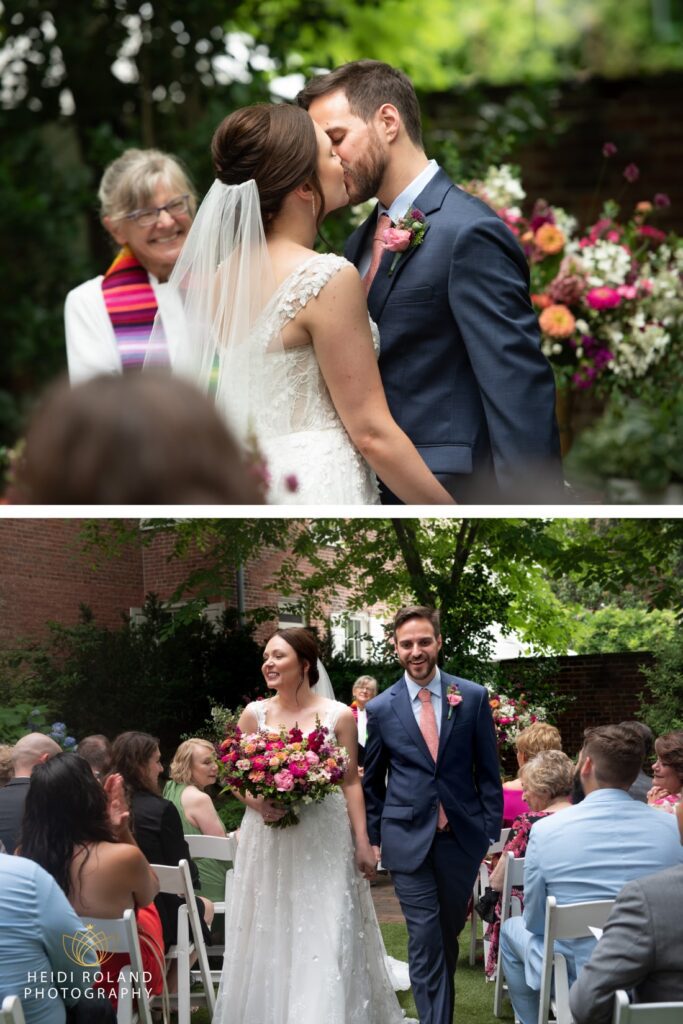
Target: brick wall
pixel 641 116
pixel 44 575
pixel 605 688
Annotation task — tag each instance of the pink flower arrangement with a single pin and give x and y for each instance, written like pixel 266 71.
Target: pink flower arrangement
pixel 609 298
pixel 511 715
pixel 285 766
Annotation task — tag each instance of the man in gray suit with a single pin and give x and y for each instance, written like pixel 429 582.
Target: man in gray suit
pixel 641 948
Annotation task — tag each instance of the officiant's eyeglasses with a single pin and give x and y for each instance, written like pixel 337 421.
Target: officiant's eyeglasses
pixel 176 207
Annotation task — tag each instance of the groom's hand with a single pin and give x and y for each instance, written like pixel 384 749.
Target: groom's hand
pixel 377 850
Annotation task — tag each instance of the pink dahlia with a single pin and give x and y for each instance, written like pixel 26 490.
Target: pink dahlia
pixel 603 298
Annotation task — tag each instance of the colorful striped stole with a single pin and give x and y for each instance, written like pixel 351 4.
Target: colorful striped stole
pixel 132 306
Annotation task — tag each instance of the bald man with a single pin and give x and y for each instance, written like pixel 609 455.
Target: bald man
pixel 27 752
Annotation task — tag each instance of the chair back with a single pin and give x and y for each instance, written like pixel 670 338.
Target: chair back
pixel 216 847
pixel 11 1011
pixel 645 1013
pixel 510 906
pixel 567 921
pixel 500 842
pixel 480 883
pixel 120 935
pixel 177 880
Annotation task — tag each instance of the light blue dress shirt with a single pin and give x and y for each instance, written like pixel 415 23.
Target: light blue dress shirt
pixel 35 917
pixel 400 206
pixel 416 704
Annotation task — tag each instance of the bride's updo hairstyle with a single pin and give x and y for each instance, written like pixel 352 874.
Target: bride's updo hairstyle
pixel 305 647
pixel 273 143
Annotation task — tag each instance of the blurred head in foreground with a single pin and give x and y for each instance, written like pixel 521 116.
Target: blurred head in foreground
pixel 137 439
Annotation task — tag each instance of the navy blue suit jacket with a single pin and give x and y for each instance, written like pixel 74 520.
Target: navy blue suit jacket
pixel 402 810
pixel 460 355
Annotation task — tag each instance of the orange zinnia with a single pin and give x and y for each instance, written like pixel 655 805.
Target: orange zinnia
pixel 549 239
pixel 557 321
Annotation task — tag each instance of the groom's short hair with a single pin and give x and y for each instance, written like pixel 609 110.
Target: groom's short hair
pixel 417 612
pixel 368 84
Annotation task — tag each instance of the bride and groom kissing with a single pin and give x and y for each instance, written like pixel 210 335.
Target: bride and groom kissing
pixel 415 361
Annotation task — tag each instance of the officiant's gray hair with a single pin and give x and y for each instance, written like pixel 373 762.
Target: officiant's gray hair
pixel 417 612
pixel 367 84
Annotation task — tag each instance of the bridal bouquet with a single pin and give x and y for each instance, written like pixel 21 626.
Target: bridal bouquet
pixel 609 297
pixel 285 766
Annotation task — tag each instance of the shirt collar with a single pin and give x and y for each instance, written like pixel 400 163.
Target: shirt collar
pixel 433 687
pixel 404 201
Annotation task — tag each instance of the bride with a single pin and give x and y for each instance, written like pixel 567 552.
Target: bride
pixel 281 334
pixel 302 941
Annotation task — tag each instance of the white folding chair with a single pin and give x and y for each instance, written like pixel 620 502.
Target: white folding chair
pixel 11 1012
pixel 120 935
pixel 480 883
pixel 510 906
pixel 221 848
pixel 645 1013
pixel 189 940
pixel 569 921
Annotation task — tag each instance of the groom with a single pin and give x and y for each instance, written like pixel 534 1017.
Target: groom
pixel 434 801
pixel 460 355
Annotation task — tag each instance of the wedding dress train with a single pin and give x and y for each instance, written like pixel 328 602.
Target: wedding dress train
pixel 302 943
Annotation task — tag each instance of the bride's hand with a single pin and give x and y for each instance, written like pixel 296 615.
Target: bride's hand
pixel 366 859
pixel 270 810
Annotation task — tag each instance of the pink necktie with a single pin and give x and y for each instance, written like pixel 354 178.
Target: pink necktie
pixel 383 223
pixel 429 731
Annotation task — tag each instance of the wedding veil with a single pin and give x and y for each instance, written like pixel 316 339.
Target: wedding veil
pixel 228 345
pixel 324 685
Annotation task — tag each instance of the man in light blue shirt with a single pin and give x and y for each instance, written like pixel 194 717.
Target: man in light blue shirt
pixel 35 918
pixel 588 852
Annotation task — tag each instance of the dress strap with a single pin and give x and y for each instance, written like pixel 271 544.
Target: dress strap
pixel 306 282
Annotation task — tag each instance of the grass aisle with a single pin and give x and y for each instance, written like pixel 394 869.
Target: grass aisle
pixel 473 995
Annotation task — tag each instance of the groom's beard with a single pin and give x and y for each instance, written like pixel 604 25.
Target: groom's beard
pixel 364 177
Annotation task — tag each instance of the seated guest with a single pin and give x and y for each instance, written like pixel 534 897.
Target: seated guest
pixel 641 948
pixel 96 750
pixel 667 772
pixel 641 787
pixel 79 832
pixel 364 689
pixel 35 918
pixel 156 823
pixel 587 852
pixel 536 737
pixel 192 770
pixel 147 205
pixel 6 766
pixel 27 752
pixel 142 439
pixel 546 784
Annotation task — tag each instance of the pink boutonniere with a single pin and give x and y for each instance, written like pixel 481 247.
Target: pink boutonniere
pixel 454 697
pixel 408 233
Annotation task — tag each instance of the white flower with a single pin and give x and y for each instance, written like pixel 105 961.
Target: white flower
pixel 502 187
pixel 565 222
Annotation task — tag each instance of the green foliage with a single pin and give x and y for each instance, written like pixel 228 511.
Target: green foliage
pixel 15 720
pixel 141 676
pixel 611 630
pixel 662 703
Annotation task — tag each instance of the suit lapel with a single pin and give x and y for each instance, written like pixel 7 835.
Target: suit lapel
pixel 401 706
pixel 429 201
pixel 446 722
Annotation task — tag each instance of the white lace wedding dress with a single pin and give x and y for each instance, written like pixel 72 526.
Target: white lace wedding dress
pixel 302 943
pixel 316 463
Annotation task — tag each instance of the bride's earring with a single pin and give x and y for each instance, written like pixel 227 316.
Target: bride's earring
pixel 315 213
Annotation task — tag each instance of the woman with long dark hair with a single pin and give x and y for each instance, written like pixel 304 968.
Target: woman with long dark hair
pixel 79 832
pixel 305 940
pixel 156 823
